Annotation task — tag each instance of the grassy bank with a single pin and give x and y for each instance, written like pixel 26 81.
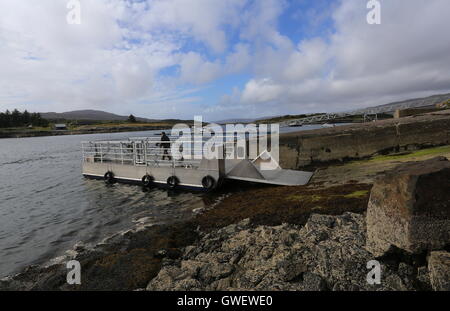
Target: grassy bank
pixel 83 129
pixel 365 171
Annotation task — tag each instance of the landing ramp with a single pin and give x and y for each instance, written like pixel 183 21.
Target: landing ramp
pixel 246 170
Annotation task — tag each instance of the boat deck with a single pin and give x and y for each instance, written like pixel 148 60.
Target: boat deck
pixel 140 159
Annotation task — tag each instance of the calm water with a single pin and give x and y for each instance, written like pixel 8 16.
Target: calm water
pixel 46 206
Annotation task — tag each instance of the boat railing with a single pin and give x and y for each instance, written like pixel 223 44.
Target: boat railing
pixel 151 151
pixel 230 143
pixel 136 152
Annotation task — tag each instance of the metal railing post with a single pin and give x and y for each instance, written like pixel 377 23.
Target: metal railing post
pixel 121 152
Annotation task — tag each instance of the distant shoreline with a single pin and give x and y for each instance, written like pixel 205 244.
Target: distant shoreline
pixel 42 133
pixel 27 133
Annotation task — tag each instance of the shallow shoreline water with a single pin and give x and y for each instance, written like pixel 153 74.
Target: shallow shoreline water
pixel 47 206
pixel 36 133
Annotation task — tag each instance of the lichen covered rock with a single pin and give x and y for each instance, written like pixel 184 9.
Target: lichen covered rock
pixel 439 270
pixel 328 253
pixel 409 208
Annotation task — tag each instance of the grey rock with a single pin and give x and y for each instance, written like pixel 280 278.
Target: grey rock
pixel 409 208
pixel 197 211
pixel 327 253
pixel 439 269
pixel 211 272
pixel 313 282
pixel 405 270
pixel 395 282
pixel 344 286
pixel 424 278
pixel 291 269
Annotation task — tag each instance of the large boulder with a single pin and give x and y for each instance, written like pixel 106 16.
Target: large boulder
pixel 439 270
pixel 409 208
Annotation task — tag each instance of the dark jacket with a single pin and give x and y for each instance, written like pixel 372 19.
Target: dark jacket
pixel 165 138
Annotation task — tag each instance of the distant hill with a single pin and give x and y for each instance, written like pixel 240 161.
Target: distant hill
pixel 234 121
pixel 97 115
pixel 249 120
pixel 94 115
pixel 425 102
pixel 418 102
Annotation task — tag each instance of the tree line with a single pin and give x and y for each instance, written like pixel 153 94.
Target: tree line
pixel 18 119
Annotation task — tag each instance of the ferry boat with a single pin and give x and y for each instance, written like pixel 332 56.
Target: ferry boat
pixel 144 161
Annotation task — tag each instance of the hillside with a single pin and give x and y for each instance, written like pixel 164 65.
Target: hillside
pixel 430 101
pixel 419 102
pixel 96 115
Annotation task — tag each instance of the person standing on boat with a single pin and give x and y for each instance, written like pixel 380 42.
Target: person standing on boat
pixel 165 146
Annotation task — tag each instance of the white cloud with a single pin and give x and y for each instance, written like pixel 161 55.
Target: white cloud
pixel 110 60
pixel 261 91
pixel 239 59
pixel 261 23
pixel 117 58
pixel 197 70
pixel 359 64
pixel 204 19
pixel 307 61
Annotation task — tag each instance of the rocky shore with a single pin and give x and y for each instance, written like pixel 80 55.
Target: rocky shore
pixel 129 260
pixel 390 208
pixel 405 231
pixel 328 253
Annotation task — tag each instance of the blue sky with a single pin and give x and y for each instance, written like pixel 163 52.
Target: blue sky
pixel 220 59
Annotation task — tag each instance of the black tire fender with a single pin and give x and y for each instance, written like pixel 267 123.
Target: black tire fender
pixel 208 182
pixel 147 180
pixel 109 177
pixel 173 182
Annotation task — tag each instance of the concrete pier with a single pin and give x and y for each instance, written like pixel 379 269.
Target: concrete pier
pixel 358 141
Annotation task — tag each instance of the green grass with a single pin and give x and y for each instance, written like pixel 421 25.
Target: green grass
pixel 418 153
pixel 25 129
pixel 357 194
pixel 310 198
pixel 316 198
